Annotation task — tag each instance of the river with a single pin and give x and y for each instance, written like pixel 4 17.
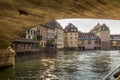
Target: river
pixel 63 65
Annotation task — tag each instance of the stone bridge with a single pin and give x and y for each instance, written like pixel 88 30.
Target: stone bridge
pixel 17 16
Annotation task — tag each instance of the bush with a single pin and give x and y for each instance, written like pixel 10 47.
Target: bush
pixel 34 38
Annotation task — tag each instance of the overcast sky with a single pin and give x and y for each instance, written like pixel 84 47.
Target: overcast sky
pixel 85 25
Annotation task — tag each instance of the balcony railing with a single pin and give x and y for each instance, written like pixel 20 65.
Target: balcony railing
pixel 26 40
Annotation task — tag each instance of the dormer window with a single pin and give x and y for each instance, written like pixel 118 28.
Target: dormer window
pixel 103 28
pixel 74 29
pixel 71 29
pixel 71 25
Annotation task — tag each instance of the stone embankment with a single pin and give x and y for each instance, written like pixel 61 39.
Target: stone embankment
pixel 7 57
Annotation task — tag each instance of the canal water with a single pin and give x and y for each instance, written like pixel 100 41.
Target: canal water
pixel 63 65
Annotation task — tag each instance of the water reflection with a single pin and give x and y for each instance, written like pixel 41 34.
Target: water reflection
pixel 7 74
pixel 71 65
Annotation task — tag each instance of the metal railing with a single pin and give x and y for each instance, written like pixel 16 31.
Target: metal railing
pixel 110 75
pixel 26 40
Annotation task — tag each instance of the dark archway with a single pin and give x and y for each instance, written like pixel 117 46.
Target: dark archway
pixel 17 16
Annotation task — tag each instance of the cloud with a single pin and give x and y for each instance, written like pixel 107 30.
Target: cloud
pixel 85 25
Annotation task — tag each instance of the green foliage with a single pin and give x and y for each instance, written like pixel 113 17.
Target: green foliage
pixel 34 38
pixel 50 42
pixel 97 42
pixel 39 46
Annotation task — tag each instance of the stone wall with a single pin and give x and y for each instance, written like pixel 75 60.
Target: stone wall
pixel 24 14
pixel 105 45
pixel 7 58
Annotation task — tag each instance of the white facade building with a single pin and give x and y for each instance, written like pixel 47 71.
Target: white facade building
pixel 31 33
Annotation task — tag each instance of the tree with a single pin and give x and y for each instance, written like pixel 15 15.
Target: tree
pixel 34 38
pixel 50 42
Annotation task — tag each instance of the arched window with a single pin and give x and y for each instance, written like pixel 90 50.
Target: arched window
pixel 103 28
pixel 74 29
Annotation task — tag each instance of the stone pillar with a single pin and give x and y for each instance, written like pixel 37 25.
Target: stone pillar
pixel 7 57
pixel 105 45
pixel 34 45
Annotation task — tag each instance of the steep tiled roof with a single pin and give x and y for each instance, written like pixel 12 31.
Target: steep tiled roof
pixel 114 35
pixel 96 27
pixel 100 27
pixel 70 28
pixel 47 26
pixel 52 24
pixel 88 36
pixel 104 27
